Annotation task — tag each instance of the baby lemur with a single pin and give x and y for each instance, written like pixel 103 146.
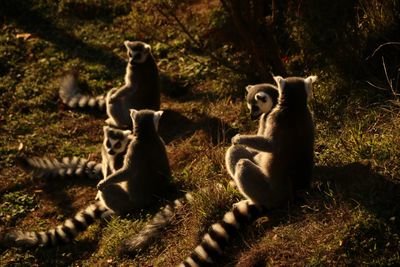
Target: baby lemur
pixel 268 168
pixel 145 177
pixel 140 91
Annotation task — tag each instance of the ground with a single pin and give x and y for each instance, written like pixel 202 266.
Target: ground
pixel 349 217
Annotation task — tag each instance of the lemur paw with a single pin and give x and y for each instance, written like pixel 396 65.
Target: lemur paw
pixel 236 139
pixel 101 185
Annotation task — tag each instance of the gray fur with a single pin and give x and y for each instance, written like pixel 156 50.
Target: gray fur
pixel 151 231
pixel 145 174
pixel 261 99
pixel 114 148
pixel 112 159
pixel 68 166
pixel 141 89
pixel 145 171
pixel 71 95
pixel 285 151
pixel 267 168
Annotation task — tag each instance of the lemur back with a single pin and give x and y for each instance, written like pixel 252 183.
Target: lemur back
pixel 113 198
pixel 140 91
pixel 268 169
pixel 146 167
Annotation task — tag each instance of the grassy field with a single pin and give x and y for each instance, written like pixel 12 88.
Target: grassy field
pixel 350 216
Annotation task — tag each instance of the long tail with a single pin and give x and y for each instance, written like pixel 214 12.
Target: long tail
pixel 60 235
pixel 153 229
pixel 213 243
pixel 71 96
pixel 50 167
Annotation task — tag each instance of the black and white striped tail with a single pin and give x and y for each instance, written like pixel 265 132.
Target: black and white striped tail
pixel 62 234
pixel 152 230
pixel 71 96
pixel 68 166
pixel 214 242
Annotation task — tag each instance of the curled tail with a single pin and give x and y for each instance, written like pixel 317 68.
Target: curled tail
pixel 153 229
pixel 50 167
pixel 213 243
pixel 71 96
pixel 62 234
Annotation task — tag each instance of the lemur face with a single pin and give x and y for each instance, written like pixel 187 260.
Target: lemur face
pixel 137 51
pixel 115 140
pixel 261 98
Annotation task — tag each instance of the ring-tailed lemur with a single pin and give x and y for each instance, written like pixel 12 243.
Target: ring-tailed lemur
pixel 113 152
pixel 281 164
pixel 146 172
pixel 146 169
pixel 141 89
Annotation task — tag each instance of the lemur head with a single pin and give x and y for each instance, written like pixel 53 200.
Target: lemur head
pixel 137 51
pixel 295 90
pixel 115 140
pixel 145 120
pixel 261 98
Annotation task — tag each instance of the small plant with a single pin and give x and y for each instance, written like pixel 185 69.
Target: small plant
pixel 15 205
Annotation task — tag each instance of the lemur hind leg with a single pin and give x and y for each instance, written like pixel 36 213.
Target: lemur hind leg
pixel 253 183
pixel 236 153
pixel 117 199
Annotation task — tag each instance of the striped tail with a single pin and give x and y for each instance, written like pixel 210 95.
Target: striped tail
pixel 62 234
pixel 213 243
pixel 70 94
pixel 50 167
pixel 152 230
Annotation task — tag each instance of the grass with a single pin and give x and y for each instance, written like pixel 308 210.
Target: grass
pixel 350 216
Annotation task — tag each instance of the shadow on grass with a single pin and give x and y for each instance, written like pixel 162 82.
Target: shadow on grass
pixel 29 18
pixel 355 184
pixel 174 125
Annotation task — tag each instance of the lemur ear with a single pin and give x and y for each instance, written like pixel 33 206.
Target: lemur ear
pixel 157 116
pixel 126 132
pixel 133 113
pixel 280 81
pixel 126 43
pixel 248 87
pixel 147 47
pixel 308 84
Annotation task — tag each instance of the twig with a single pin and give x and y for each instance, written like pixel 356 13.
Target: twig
pixel 387 77
pixel 382 45
pixel 375 86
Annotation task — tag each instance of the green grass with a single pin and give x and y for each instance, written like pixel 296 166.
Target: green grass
pixel 350 216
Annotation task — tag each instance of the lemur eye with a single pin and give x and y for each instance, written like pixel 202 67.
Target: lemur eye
pixel 108 144
pixel 117 145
